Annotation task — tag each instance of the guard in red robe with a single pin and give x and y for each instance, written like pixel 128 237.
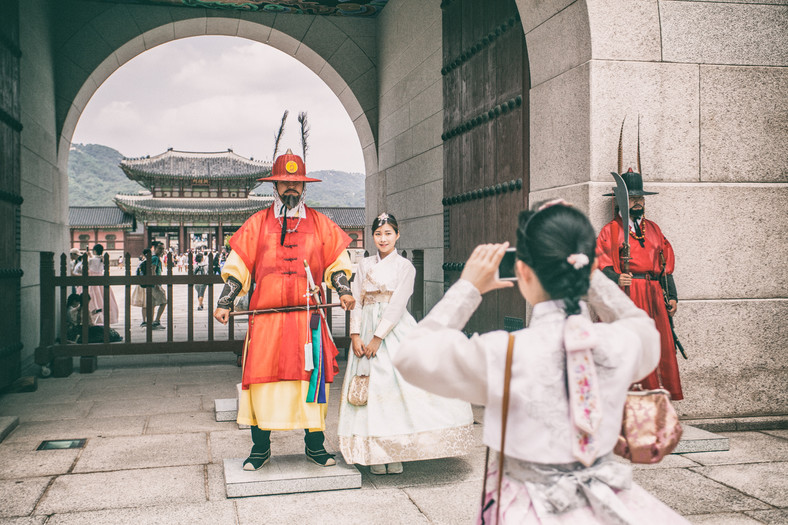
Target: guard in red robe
pixel 289 358
pixel 651 264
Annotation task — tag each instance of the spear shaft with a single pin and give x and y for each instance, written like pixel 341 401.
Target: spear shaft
pixel 284 309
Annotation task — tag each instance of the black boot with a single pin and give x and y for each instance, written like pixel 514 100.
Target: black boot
pixel 315 449
pixel 261 450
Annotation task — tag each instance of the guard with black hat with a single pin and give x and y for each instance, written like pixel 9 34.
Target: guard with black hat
pixel 649 279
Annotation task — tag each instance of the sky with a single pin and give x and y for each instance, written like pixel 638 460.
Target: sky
pixel 211 93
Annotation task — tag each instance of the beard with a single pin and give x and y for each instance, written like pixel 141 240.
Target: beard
pixel 636 213
pixel 290 200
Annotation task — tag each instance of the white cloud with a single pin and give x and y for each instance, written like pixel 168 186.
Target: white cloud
pixel 211 93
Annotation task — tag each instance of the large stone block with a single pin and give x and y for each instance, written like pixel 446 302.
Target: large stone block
pixel 159 35
pixel 323 37
pixel 534 14
pixel 748 107
pixel 665 96
pixel 255 30
pixel 192 26
pixel 560 44
pixel 350 61
pixel 560 134
pixel 716 33
pixel 723 249
pixel 222 22
pixel 737 364
pixel 415 171
pixel 630 33
pixel 394 124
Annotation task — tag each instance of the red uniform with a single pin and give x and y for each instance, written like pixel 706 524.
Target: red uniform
pixel 646 293
pixel 276 341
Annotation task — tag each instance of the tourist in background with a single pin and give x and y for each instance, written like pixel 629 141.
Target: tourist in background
pixel 73 257
pixel 158 297
pixel 200 268
pixel 400 422
pixel 569 376
pixel 96 304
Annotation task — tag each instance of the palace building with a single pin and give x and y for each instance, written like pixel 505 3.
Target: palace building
pixel 191 197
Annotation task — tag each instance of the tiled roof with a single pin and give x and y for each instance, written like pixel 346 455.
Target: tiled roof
pixel 182 206
pixel 98 217
pixel 175 164
pixel 345 217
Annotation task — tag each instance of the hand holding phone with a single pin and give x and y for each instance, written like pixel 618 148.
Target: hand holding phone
pixel 481 268
pixel 506 266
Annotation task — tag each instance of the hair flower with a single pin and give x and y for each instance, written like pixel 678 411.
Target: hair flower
pixel 578 260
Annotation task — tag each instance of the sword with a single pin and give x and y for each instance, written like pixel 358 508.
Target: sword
pixel 284 309
pixel 315 292
pixel 622 199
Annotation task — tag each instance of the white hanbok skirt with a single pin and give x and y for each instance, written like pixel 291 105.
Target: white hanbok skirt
pixel 399 422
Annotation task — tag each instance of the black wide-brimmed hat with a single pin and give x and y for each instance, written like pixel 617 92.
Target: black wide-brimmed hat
pixel 634 182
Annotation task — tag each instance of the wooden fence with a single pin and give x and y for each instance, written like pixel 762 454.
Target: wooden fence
pixel 56 351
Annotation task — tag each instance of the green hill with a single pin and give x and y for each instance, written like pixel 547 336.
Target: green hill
pixel 94 178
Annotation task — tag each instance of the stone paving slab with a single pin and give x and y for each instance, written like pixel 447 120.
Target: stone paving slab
pixel 145 406
pixel 724 518
pixel 7 424
pixel 287 475
pixel 37 431
pixel 692 493
pixel 215 389
pixel 766 481
pixel 770 517
pixel 777 433
pixel 694 439
pixel 434 471
pixel 124 488
pixel 226 409
pixel 19 497
pixel 47 412
pixel 30 520
pixel 107 390
pixel 448 504
pixel 22 460
pixel 381 507
pixel 208 513
pixel 185 422
pixel 137 452
pixel 746 447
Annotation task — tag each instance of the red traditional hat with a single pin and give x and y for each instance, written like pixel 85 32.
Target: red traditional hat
pixel 288 167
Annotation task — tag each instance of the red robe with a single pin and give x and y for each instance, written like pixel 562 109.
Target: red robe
pixel 646 294
pixel 276 341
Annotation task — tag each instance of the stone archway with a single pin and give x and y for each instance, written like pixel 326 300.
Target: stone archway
pixel 341 53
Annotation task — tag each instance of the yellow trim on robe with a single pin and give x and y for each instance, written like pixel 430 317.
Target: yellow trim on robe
pixel 234 267
pixel 342 264
pixel 281 406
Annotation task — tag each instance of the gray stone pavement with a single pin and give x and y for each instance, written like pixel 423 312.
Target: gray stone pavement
pixel 154 454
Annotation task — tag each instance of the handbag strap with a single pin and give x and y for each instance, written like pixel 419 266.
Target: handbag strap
pixel 507 378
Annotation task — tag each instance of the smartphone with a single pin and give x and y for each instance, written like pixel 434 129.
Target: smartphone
pixel 506 267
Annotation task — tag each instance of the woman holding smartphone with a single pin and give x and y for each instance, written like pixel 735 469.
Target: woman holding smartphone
pixel 399 422
pixel 569 376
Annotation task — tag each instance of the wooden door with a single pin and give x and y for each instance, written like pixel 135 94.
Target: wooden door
pixel 485 99
pixel 10 198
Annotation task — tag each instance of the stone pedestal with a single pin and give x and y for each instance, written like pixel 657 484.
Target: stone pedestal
pixel 288 475
pixel 696 440
pixel 88 364
pixel 226 409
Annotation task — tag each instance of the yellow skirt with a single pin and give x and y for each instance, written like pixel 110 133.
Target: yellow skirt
pixel 281 406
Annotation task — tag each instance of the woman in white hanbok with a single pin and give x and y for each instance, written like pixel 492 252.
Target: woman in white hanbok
pixel 569 377
pixel 400 422
pixel 96 305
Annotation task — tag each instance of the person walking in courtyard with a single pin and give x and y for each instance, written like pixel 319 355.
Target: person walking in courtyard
pixel 289 357
pixel 399 421
pixel 200 268
pixel 651 267
pixel 96 305
pixel 569 377
pixel 158 296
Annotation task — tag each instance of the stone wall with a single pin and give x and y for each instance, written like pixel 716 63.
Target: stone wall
pixel 709 82
pixel 409 182
pixel 44 188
